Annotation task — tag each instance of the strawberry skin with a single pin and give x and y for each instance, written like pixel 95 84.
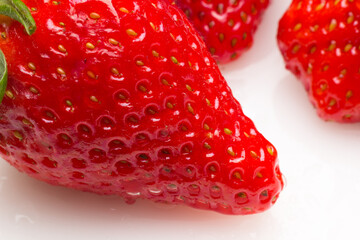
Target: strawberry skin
pixel 320 42
pixel 227 26
pixel 124 98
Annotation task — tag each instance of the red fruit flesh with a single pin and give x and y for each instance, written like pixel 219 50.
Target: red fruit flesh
pixel 320 43
pixel 228 27
pixel 123 98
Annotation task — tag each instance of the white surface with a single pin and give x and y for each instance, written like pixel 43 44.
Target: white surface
pixel 321 162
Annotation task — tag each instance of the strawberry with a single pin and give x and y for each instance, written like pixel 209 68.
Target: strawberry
pixel 227 26
pixel 123 98
pixel 320 40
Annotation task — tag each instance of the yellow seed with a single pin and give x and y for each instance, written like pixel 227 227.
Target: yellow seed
pixel 121 96
pixel 91 74
pixel 188 88
pixel 207 146
pixel 165 82
pixel 208 102
pixel 332 46
pixel 231 152
pixel 152 25
pixel 320 6
pixel 140 63
pixel 259 175
pixel 326 67
pixel 94 99
pixel 94 15
pixel 184 128
pixel 349 94
pixel 313 49
pixel 332 102
pixel 69 103
pixel 299 5
pixel 243 16
pixel 348 47
pixel 296 48
pixel 174 60
pixel 62 24
pixel 33 90
pixel 131 32
pixel 351 18
pixel 209 135
pixel 124 10
pixel 61 48
pixel 343 73
pixel 113 41
pixel 9 94
pixel 169 105
pixel 60 71
pixel 206 127
pixel 270 150
pixel 253 154
pixel 220 8
pixel 18 135
pixel 323 87
pixel 211 24
pixel 142 88
pixel 314 28
pixel 31 66
pixel 155 53
pixel 297 27
pixel 190 108
pixel 172 36
pixel 234 42
pixel 332 25
pixel 114 71
pixel 253 9
pixel 26 122
pixel 90 46
pixel 237 175
pixel 227 131
pixel 221 37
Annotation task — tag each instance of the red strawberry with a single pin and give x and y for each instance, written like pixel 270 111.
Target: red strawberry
pixel 124 98
pixel 227 26
pixel 320 42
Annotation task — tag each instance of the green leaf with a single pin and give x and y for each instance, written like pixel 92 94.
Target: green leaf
pixel 3 75
pixel 17 10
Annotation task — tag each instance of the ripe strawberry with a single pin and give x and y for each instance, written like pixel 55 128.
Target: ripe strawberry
pixel 227 26
pixel 123 98
pixel 320 43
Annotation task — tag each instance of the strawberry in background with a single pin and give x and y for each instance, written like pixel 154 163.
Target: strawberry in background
pixel 227 26
pixel 123 98
pixel 320 43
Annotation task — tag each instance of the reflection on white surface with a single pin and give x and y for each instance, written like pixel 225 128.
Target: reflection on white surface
pixel 20 218
pixel 319 160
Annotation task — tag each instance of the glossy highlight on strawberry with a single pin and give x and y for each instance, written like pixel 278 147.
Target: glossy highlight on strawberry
pixel 227 26
pixel 320 42
pixel 124 98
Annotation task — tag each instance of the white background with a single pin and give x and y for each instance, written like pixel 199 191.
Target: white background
pixel 321 162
